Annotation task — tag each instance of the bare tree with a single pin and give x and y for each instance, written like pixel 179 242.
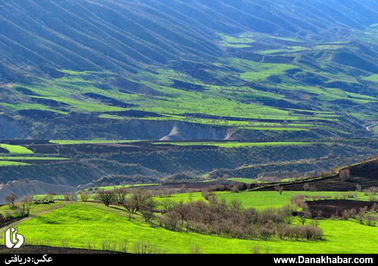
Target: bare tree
pixel 140 196
pixel 26 203
pixel 235 188
pixel 120 194
pixel 305 215
pixel 361 215
pixel 11 199
pixel 171 220
pixel 147 209
pixel 344 174
pixel 231 219
pixel 236 206
pixel 84 196
pixel 143 248
pixel 130 205
pixel 73 196
pixel 279 189
pixel 67 197
pixel 298 200
pixel 205 194
pixel 370 220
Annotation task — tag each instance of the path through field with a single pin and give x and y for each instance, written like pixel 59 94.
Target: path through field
pixel 2 230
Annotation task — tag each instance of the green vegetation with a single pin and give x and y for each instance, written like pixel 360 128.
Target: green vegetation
pixel 261 109
pixel 373 78
pixel 244 180
pixel 272 199
pixel 10 163
pixel 232 144
pixel 252 82
pixel 184 197
pixel 265 71
pixel 294 101
pixel 233 104
pixel 16 149
pixel 291 49
pixel 244 41
pixel 89 224
pixel 32 158
pixel 125 186
pixel 93 141
pixel 34 210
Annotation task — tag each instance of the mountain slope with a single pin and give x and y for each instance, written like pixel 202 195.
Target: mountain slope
pixel 260 69
pixel 122 35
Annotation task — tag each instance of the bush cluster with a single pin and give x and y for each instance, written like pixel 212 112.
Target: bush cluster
pixel 231 220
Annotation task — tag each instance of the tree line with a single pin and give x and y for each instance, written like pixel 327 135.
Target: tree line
pixel 213 216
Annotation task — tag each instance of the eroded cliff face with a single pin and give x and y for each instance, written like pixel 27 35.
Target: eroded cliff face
pixel 81 127
pixel 185 131
pixel 168 130
pixel 87 127
pixel 31 187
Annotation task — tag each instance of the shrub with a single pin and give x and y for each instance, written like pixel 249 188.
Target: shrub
pixel 106 197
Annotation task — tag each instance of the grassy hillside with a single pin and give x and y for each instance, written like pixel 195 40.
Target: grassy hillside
pixel 216 72
pixel 95 226
pixel 184 99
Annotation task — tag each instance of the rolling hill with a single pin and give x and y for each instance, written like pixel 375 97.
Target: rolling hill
pixel 147 106
pixel 126 35
pixel 190 69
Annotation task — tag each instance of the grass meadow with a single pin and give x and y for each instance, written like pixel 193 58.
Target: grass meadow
pixel 92 225
pixel 84 225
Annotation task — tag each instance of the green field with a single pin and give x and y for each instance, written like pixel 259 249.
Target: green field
pixel 35 210
pixel 16 149
pixel 32 158
pixel 266 199
pixel 373 78
pixel 93 141
pixel 244 180
pixel 14 160
pixel 267 71
pixel 258 83
pixel 125 186
pixel 85 225
pixel 262 199
pixel 10 163
pixel 236 144
pixel 259 108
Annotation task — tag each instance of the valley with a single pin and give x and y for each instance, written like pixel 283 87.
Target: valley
pixel 172 126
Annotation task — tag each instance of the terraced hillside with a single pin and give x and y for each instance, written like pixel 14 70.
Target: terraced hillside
pixel 38 167
pixel 174 70
pixel 361 176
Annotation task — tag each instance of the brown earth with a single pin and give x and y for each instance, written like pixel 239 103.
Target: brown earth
pixel 364 174
pixel 331 208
